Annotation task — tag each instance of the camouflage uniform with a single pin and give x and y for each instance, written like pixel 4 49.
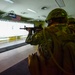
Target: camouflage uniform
pixel 56 44
pixel 38 38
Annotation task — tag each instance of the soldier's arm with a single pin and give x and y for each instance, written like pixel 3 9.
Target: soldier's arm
pixel 35 39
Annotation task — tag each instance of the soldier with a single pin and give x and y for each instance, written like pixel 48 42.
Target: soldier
pixel 71 21
pixel 71 24
pixel 56 18
pixel 50 41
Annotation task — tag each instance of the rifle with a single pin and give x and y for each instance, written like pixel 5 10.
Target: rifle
pixel 35 29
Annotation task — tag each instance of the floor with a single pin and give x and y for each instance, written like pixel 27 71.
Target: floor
pixel 20 68
pixel 14 56
pixel 5 44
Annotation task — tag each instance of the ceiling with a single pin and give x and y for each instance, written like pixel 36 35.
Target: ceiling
pixel 41 7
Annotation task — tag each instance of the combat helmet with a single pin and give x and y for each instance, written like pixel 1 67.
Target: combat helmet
pixel 71 20
pixel 56 13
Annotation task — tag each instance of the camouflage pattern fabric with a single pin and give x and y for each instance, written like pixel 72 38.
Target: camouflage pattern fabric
pixel 57 13
pixel 57 48
pixel 38 38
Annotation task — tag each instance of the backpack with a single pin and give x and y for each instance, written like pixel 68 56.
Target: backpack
pixel 63 57
pixel 62 60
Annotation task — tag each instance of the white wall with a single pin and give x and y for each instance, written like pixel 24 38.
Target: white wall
pixel 8 28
